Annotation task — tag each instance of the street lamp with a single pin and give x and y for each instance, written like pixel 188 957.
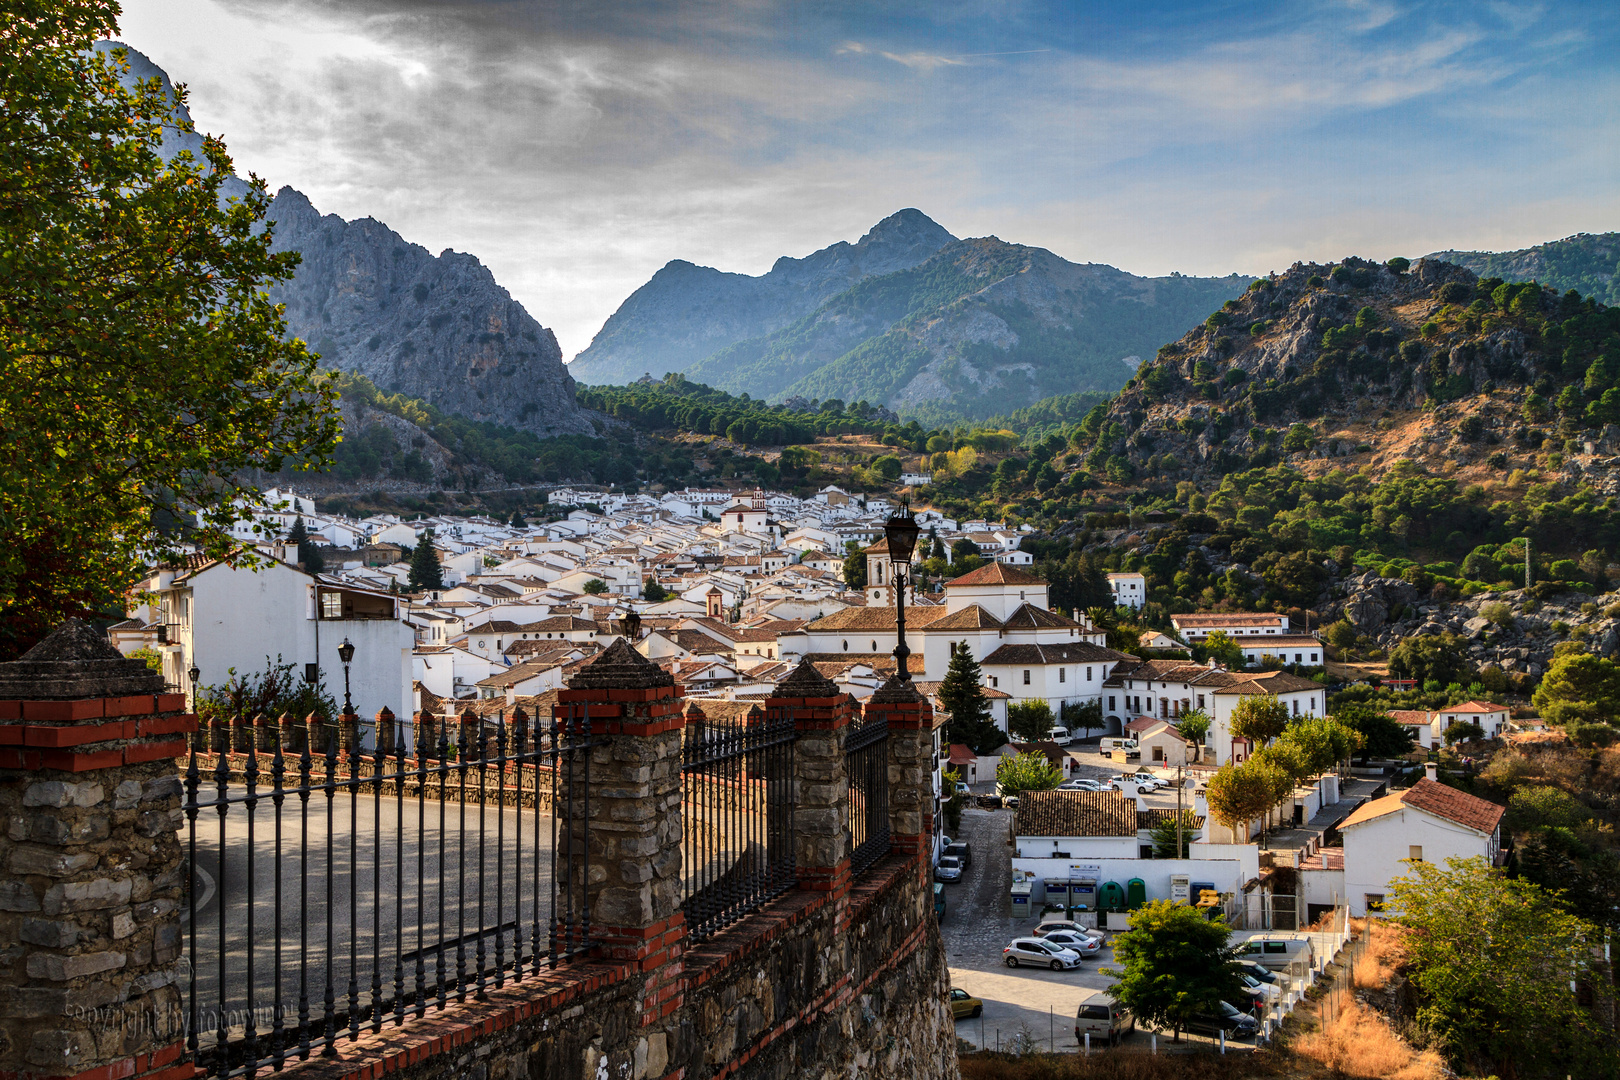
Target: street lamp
pixel 901 533
pixel 346 654
pixel 195 675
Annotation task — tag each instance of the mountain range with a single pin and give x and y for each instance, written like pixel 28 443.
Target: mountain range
pixel 909 317
pixel 1589 263
pixel 438 328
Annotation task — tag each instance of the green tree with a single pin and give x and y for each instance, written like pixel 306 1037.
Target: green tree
pixel 1259 718
pixel 298 533
pixel 1378 734
pixel 1018 773
pixel 1174 965
pixel 1465 731
pixel 654 593
pixel 1237 794
pixel 594 587
pixel 1493 958
pixel 1299 437
pixel 1579 686
pixel 517 520
pixel 961 696
pixel 1430 657
pixel 146 375
pixel 1320 742
pixel 1164 835
pixel 1029 721
pixel 1220 647
pixel 954 801
pixel 1194 725
pixel 426 573
pixel 854 566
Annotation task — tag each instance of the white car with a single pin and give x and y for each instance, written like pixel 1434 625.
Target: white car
pixel 1082 784
pixel 1082 943
pixel 1037 952
pixel 1146 784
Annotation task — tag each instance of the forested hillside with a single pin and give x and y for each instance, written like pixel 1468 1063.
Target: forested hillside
pixel 1589 263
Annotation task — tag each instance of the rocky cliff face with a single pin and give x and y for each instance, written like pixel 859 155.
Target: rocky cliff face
pixel 436 328
pixel 686 312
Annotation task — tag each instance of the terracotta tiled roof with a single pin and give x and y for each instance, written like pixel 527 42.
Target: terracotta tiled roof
pixel 1029 617
pixel 1474 707
pixel 1148 819
pixel 1291 641
pixel 972 617
pixel 1409 716
pixel 1435 798
pixel 1074 652
pixel 1266 618
pixel 877 618
pixel 996 574
pixel 1074 813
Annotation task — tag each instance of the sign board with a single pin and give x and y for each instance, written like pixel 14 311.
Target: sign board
pixel 1088 871
pixel 1180 888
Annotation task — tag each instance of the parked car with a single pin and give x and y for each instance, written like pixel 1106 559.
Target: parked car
pixel 962 850
pixel 964 1004
pixel 1258 988
pixel 1105 1019
pixel 949 868
pixel 1060 735
pixel 1034 952
pixel 1069 939
pixel 1228 1018
pixel 1082 784
pixel 1148 784
pixel 1047 926
pixel 1260 971
pixel 962 789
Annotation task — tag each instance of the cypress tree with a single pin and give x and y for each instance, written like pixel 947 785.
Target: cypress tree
pixel 962 696
pixel 425 570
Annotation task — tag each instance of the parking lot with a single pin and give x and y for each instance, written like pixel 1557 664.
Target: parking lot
pixel 977 926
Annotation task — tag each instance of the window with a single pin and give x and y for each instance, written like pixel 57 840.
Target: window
pixel 1200 701
pixel 994 682
pixel 1415 852
pixel 1088 674
pixel 332 606
pixel 1063 674
pixel 1375 901
pixel 1313 658
pixel 1296 708
pixel 846 646
pixel 1026 676
pixel 1111 703
pixel 1298 658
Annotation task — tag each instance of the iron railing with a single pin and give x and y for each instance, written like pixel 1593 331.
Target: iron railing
pixel 737 809
pixel 439 898
pixel 866 761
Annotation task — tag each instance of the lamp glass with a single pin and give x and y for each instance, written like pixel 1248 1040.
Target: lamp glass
pixel 901 531
pixel 346 651
pixel 194 673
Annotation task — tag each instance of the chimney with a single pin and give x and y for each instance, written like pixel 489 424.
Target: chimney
pixel 1429 771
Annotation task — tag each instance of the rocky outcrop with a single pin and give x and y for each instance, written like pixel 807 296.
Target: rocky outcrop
pixel 687 312
pixel 438 328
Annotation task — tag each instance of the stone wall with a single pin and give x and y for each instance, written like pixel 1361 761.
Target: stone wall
pixel 839 976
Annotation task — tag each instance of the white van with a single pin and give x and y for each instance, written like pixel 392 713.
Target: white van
pixel 1104 1019
pixel 1060 735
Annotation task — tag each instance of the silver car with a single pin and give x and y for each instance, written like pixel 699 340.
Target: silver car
pixel 1080 942
pixel 949 868
pixel 1038 952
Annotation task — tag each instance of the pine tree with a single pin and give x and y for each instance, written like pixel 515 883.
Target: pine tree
pixel 962 696
pixel 517 520
pixel 297 534
pixel 425 570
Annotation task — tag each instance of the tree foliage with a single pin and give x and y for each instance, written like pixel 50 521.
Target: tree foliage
pixel 1164 836
pixel 1493 958
pixel 426 573
pixel 1378 734
pixel 1030 721
pixel 1239 793
pixel 1259 718
pixel 144 368
pixel 1018 773
pixel 1579 686
pixel 961 696
pixel 1174 964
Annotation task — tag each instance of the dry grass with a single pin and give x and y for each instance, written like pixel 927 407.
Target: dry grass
pixel 1384 955
pixel 1360 1044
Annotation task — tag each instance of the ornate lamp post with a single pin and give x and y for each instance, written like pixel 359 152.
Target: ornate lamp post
pixel 195 675
pixel 346 654
pixel 901 532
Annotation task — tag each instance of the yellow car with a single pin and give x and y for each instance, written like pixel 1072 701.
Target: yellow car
pixel 964 1004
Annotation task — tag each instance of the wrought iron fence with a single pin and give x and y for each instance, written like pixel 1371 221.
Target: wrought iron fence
pixel 425 861
pixel 737 809
pixel 866 761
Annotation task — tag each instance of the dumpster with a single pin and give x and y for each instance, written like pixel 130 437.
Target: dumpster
pixel 1019 899
pixel 1057 892
pixel 1135 893
pixel 1111 898
pixel 1083 894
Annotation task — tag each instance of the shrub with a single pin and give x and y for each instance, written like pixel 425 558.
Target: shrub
pixel 1360 1043
pixel 1454 292
pixel 1398 264
pixel 1430 329
pixel 1498 613
pixel 1314 281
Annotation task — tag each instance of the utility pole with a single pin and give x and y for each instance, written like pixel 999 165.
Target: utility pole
pixel 1179 785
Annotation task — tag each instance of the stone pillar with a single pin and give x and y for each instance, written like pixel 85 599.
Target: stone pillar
pixel 427 733
pixel 292 735
pixel 821 715
pixel 911 763
pixel 385 733
pixel 91 874
pixel 348 733
pixel 633 885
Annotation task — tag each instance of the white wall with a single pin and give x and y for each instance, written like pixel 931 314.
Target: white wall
pixel 1227 873
pixel 1374 850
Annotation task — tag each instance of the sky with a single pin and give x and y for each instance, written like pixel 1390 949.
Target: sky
pixel 577 146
